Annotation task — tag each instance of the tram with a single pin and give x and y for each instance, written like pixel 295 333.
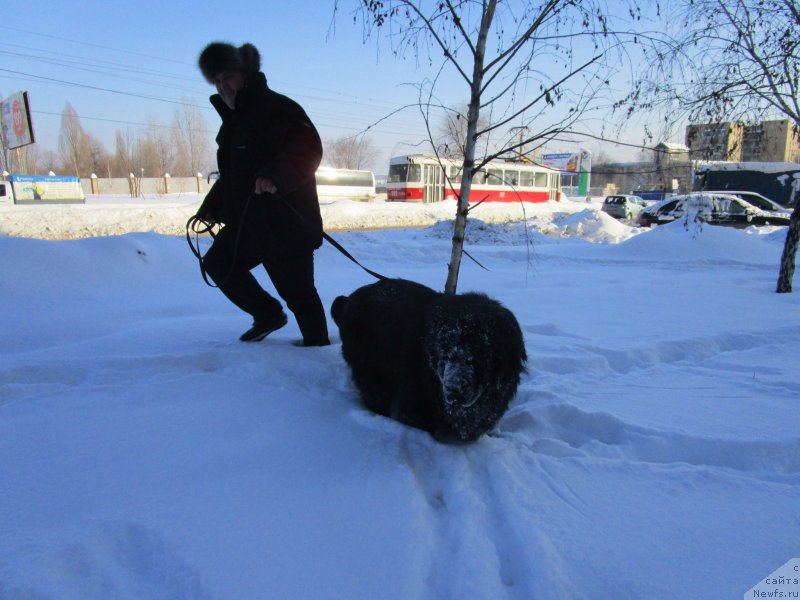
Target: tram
pixel 426 178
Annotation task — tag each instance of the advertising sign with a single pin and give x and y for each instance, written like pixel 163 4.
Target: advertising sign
pixel 42 189
pixel 17 127
pixel 572 163
pixel 566 162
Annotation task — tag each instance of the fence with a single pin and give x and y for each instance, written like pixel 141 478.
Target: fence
pixel 137 186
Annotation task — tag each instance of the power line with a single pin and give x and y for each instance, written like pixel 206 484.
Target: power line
pixel 89 44
pixel 103 64
pixel 164 126
pixel 362 100
pixel 331 114
pixel 101 89
pixel 60 56
pixel 146 76
pixel 150 124
pixel 339 116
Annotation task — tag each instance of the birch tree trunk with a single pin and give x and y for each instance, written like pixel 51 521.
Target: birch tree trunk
pixel 789 252
pixel 468 169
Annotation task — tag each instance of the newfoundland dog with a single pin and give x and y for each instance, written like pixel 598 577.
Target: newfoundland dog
pixel 448 364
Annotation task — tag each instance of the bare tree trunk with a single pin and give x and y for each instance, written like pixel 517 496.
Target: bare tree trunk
pixel 189 140
pixel 789 252
pixel 71 140
pixel 468 170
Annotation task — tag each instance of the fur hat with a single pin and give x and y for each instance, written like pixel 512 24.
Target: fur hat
pixel 221 56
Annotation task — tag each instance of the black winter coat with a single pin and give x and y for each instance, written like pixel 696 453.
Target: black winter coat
pixel 268 135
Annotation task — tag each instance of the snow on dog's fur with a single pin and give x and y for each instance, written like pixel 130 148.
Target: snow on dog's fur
pixel 448 364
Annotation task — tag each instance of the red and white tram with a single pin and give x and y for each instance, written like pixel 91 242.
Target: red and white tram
pixel 425 178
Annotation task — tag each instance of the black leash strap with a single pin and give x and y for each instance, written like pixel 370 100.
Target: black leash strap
pixel 198 226
pixel 330 240
pixel 341 249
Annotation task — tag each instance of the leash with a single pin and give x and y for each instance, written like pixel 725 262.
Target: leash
pixel 199 226
pixel 328 238
pixel 341 249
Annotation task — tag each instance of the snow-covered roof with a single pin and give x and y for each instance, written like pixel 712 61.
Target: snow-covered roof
pixel 673 146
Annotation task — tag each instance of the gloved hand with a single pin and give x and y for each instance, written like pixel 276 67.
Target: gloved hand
pixel 207 216
pixel 264 184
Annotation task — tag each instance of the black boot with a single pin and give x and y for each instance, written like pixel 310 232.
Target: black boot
pixel 263 328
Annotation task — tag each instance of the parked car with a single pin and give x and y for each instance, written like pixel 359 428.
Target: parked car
pixel 756 200
pixel 713 208
pixel 622 206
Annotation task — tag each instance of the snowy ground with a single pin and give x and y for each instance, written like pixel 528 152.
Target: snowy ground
pixel 653 450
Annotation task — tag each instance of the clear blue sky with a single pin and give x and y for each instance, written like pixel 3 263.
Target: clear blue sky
pixel 122 64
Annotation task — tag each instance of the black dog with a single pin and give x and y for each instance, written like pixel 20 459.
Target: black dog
pixel 448 364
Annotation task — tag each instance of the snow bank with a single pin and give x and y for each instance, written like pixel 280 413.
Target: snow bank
pixel 652 450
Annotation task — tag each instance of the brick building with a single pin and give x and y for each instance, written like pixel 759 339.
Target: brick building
pixel 768 141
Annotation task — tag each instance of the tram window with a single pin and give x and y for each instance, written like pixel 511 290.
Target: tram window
pixel 511 177
pixel 481 176
pixel 526 179
pixel 400 173
pixel 495 176
pixel 397 173
pixel 454 173
pixel 541 179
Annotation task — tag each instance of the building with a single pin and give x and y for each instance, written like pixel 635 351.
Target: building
pixel 768 141
pixel 669 171
pixel 771 141
pixel 673 167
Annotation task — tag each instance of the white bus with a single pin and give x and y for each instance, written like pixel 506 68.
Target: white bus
pixel 347 184
pixel 424 178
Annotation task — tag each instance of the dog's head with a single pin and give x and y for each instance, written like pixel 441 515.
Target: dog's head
pixel 337 309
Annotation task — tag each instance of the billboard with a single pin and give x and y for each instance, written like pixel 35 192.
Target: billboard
pixel 571 163
pixel 43 189
pixel 17 126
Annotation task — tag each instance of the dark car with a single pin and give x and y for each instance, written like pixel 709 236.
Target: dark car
pixel 712 208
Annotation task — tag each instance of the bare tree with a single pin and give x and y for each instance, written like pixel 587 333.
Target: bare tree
pixel 100 159
pixel 47 161
pixel 34 160
pixel 124 163
pixel 155 153
pixel 452 134
pixel 352 152
pixel 81 152
pixel 72 141
pixel 531 66
pixel 729 60
pixel 192 140
pixel 17 160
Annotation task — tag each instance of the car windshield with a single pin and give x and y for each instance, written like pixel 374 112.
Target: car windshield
pixel 761 203
pixel 667 207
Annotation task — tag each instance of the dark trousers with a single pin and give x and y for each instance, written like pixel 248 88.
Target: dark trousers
pixel 292 276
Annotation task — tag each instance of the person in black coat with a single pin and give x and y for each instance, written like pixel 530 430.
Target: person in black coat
pixel 266 196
